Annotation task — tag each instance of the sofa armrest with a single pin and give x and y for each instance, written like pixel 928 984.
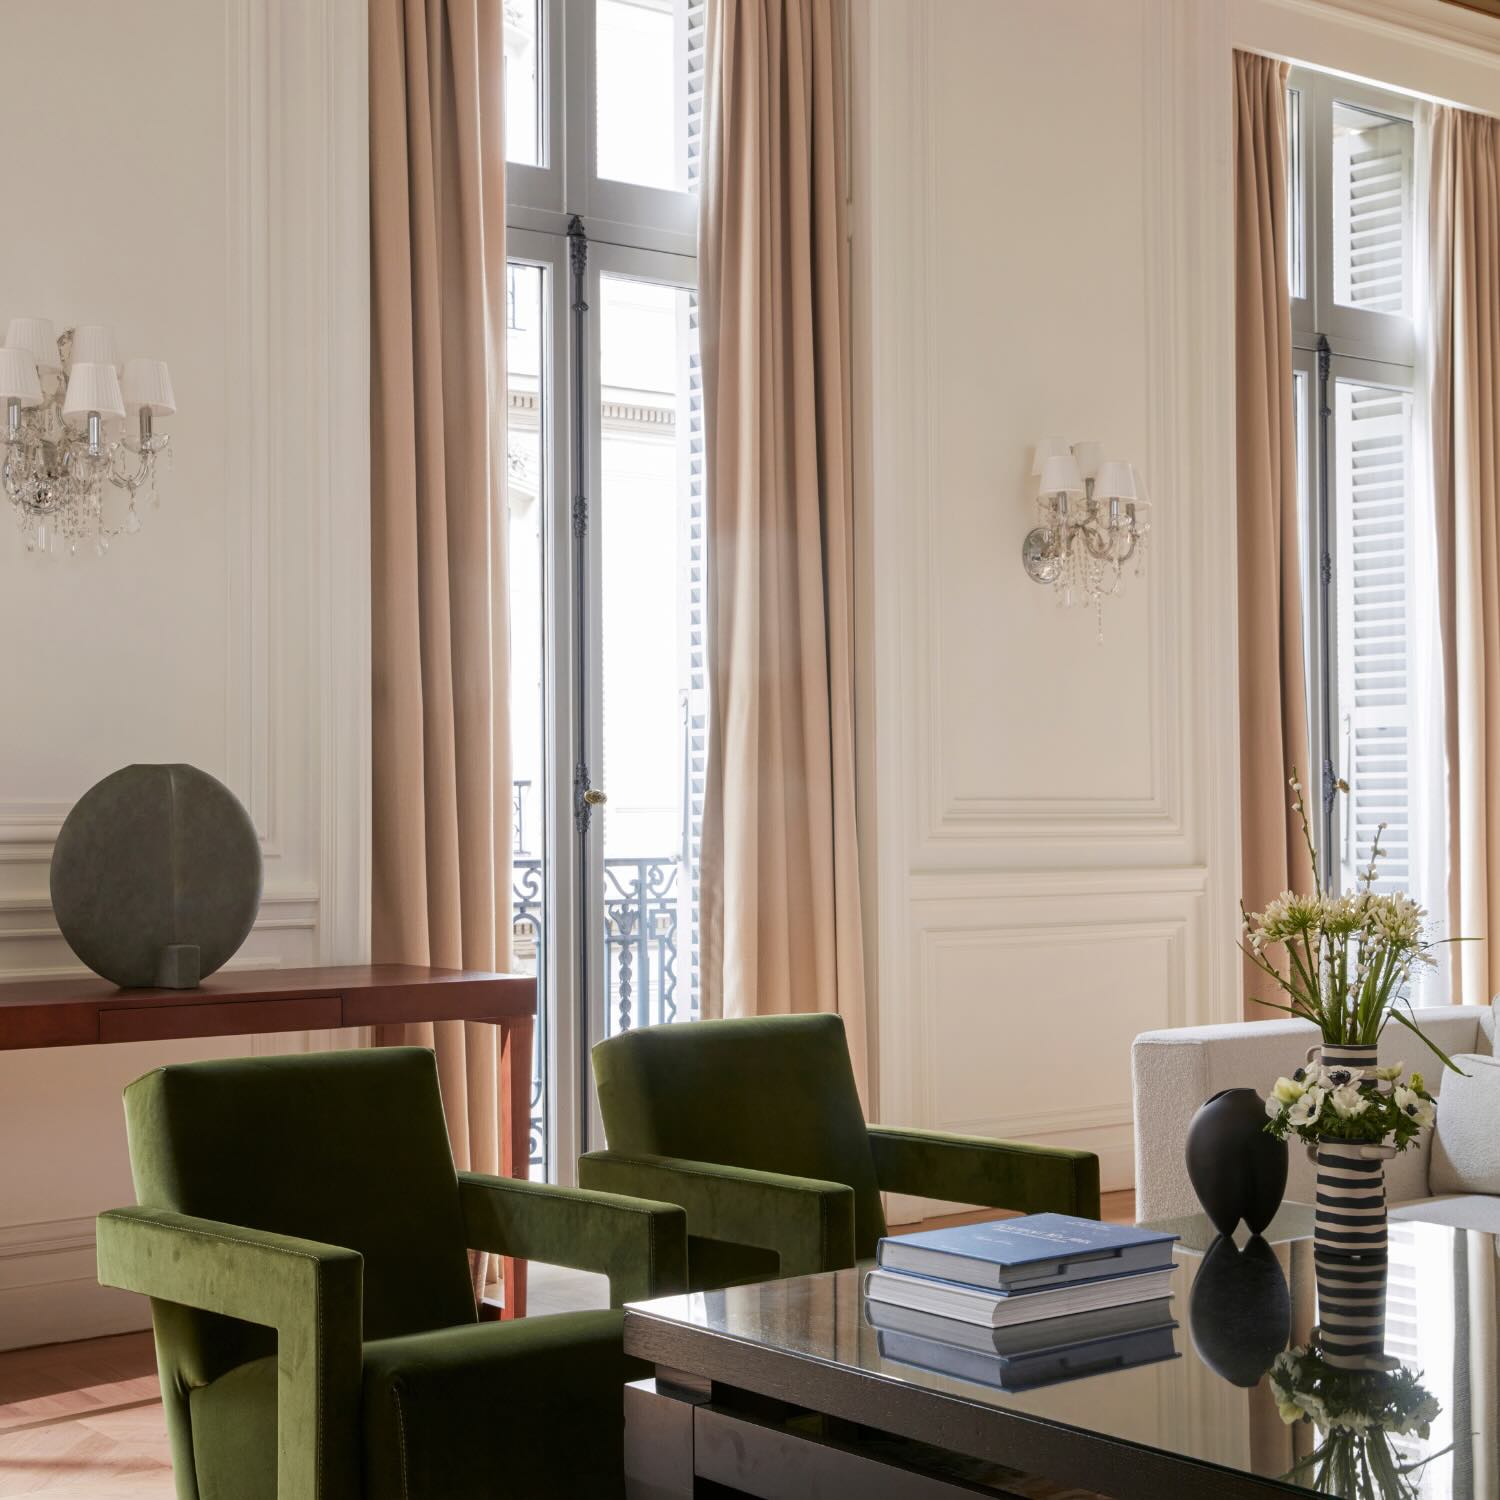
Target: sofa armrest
pixel 807 1222
pixel 312 1295
pixel 1175 1071
pixel 639 1244
pixel 993 1174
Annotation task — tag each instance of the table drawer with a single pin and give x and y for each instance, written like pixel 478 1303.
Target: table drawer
pixel 156 1023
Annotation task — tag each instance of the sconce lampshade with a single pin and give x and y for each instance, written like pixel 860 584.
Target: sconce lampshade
pixel 1089 456
pixel 1114 481
pixel 35 336
pixel 147 386
pixel 1060 476
pixel 18 380
pixel 92 388
pixel 1049 447
pixel 94 344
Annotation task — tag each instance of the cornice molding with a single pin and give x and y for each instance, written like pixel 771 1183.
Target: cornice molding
pixel 1454 27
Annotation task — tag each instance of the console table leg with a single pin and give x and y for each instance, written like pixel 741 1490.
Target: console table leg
pixel 515 1138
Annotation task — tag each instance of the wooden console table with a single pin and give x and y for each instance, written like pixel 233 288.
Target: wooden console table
pixel 86 1011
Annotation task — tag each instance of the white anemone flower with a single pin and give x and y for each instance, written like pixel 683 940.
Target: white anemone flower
pixel 1415 1107
pixel 1348 1102
pixel 1307 1108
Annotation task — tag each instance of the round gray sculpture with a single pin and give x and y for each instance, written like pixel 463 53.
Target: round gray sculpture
pixel 156 876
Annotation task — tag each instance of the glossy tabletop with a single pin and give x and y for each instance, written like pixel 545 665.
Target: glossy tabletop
pixel 1229 1394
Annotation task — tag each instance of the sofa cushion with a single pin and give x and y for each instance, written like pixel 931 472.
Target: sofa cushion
pixel 1466 1142
pixel 1477 1211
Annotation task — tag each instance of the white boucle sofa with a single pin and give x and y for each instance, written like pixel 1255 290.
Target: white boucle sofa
pixel 1175 1071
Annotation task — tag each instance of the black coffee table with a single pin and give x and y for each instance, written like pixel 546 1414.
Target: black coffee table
pixel 786 1389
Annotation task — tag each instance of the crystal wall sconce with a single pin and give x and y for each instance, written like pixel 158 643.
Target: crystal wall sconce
pixel 1092 521
pixel 65 404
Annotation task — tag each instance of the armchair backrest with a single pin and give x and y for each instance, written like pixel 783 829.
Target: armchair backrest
pixel 774 1093
pixel 347 1148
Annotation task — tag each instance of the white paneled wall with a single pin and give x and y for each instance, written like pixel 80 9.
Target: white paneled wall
pixel 1052 848
pixel 1043 243
pixel 193 171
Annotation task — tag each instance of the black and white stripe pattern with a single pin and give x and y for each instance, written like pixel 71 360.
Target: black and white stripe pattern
pixel 1357 1057
pixel 1351 1310
pixel 1347 1055
pixel 1351 1209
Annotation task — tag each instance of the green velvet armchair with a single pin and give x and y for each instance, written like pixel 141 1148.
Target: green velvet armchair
pixel 303 1238
pixel 755 1127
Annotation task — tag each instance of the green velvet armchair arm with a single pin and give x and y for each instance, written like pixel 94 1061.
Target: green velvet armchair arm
pixel 640 1245
pixel 808 1223
pixel 993 1174
pixel 311 1294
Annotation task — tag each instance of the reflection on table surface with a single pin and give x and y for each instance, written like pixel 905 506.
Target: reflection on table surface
pixel 1253 1389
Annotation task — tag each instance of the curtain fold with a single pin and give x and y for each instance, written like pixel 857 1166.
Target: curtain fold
pixel 1273 695
pixel 440 643
pixel 1464 422
pixel 781 927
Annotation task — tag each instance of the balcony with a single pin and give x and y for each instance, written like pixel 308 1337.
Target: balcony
pixel 649 982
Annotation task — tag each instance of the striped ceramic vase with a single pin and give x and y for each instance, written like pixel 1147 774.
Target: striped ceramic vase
pixel 1351 1208
pixel 1351 1310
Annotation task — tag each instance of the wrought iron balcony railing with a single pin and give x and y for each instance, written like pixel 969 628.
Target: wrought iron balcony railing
pixel 642 899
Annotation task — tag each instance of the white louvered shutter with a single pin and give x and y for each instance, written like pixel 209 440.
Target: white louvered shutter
pixel 1372 211
pixel 695 707
pixel 1376 631
pixel 697 72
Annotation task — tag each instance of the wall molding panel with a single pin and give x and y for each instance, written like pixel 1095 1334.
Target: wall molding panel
pixel 276 425
pixel 1038 919
pixel 1040 806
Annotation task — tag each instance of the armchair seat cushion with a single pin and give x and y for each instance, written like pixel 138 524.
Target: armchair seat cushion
pixel 473 1412
pixel 463 1413
pixel 233 1421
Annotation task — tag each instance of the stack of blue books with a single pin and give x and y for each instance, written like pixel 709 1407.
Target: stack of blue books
pixel 1018 1303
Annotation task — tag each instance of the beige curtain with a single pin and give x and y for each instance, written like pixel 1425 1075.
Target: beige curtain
pixel 440 642
pixel 1464 422
pixel 1273 698
pixel 780 892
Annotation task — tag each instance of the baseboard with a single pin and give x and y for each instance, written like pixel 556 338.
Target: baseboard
pixel 49 1287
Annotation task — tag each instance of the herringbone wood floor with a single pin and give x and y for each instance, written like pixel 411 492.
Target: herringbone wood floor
pixel 84 1421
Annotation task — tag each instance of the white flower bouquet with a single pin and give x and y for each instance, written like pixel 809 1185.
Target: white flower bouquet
pixel 1351 1104
pixel 1349 959
pixel 1359 1413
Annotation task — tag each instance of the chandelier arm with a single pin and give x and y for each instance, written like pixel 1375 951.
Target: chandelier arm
pixel 1101 544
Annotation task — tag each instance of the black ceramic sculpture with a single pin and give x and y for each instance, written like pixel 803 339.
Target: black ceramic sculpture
pixel 1237 1170
pixel 1240 1310
pixel 156 876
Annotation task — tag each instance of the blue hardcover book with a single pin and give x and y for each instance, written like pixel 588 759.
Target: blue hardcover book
pixel 1027 1254
pixel 997 1309
pixel 1075 1362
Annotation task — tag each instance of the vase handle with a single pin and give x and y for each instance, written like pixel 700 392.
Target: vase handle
pixel 1316 1050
